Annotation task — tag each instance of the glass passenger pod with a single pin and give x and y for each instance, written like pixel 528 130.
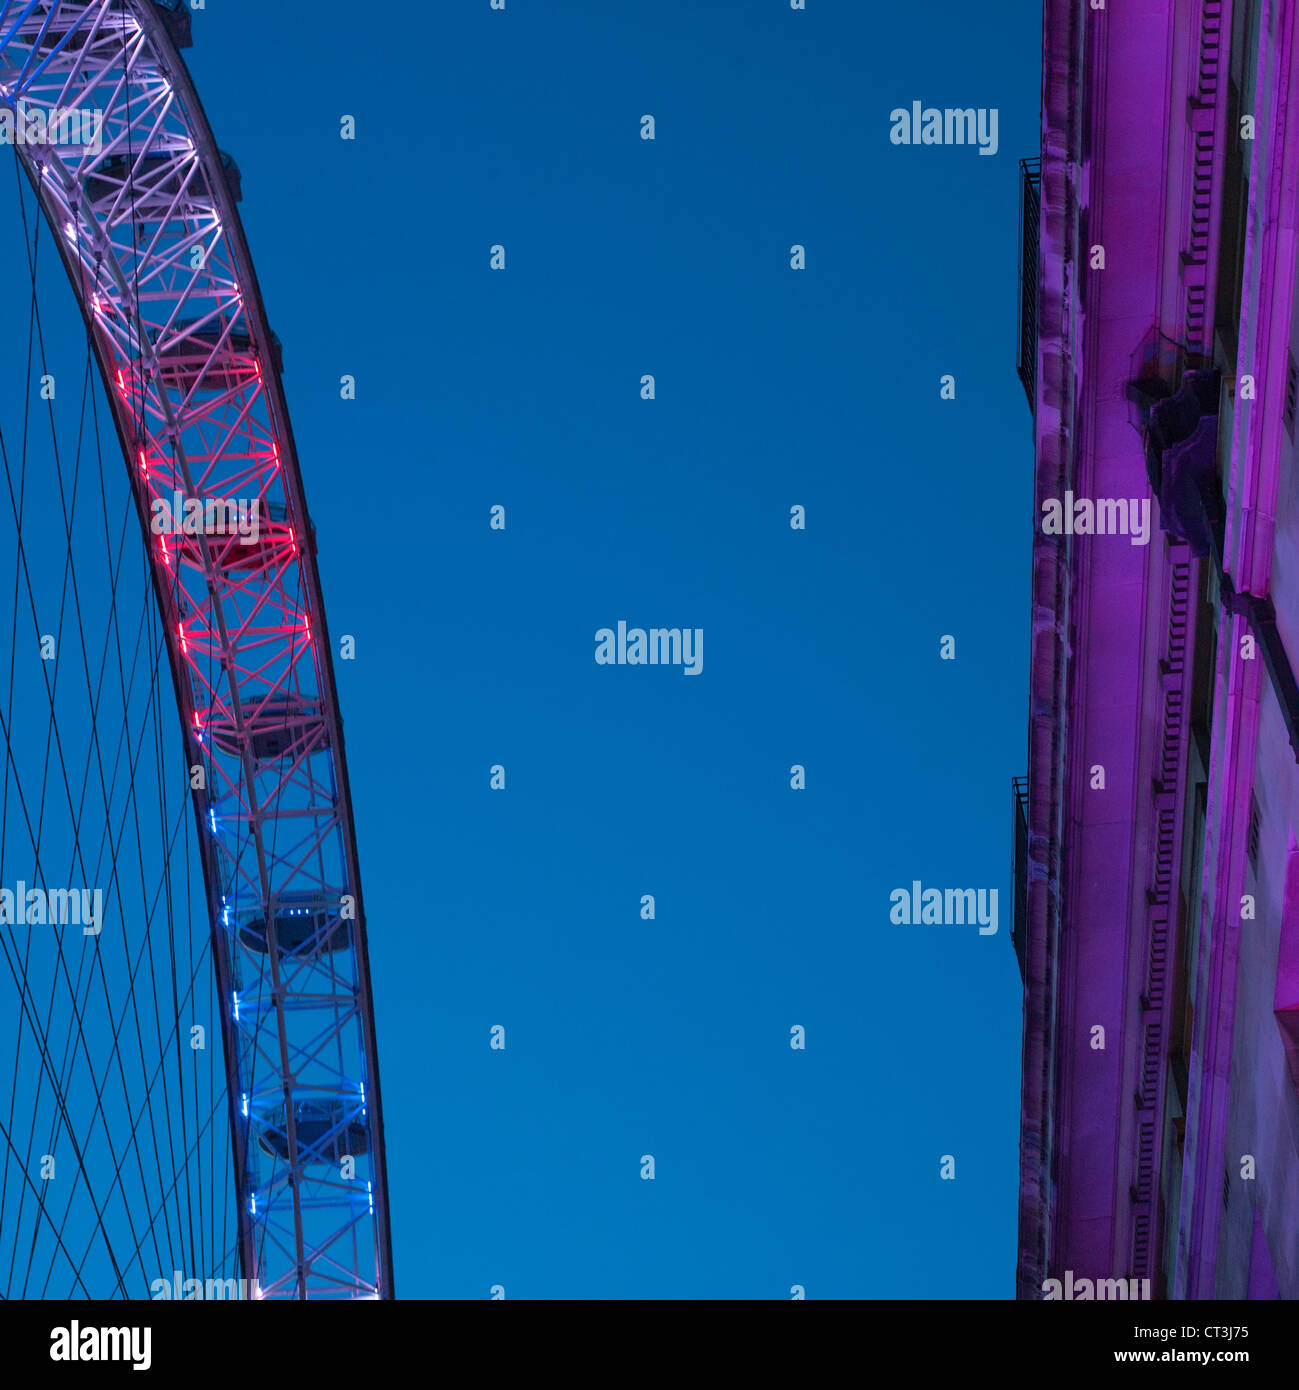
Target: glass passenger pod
pixel 175 15
pixel 279 726
pixel 327 1130
pixel 305 923
pixel 206 361
pixel 274 538
pixel 154 177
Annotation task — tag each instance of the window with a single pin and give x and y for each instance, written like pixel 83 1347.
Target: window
pixel 1291 394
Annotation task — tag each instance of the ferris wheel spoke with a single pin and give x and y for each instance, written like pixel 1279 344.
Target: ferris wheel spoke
pixel 69 573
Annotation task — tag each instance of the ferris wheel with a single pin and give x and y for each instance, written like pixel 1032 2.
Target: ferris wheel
pixel 189 1088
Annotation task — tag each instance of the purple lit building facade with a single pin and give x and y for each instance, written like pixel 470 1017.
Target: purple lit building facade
pixel 1157 875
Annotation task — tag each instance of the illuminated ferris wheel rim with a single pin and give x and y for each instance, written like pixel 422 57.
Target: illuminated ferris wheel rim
pixel 186 354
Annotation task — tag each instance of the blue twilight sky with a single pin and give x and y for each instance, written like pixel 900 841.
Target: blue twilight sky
pixel 522 388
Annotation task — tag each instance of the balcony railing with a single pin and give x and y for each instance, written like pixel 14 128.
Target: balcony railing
pixel 1030 180
pixel 1019 812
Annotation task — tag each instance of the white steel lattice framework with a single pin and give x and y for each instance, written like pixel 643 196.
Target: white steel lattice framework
pixel 152 242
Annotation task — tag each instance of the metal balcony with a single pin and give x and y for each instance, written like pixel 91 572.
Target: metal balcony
pixel 1019 812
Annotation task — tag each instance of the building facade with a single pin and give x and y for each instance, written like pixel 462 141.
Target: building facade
pixel 1157 833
